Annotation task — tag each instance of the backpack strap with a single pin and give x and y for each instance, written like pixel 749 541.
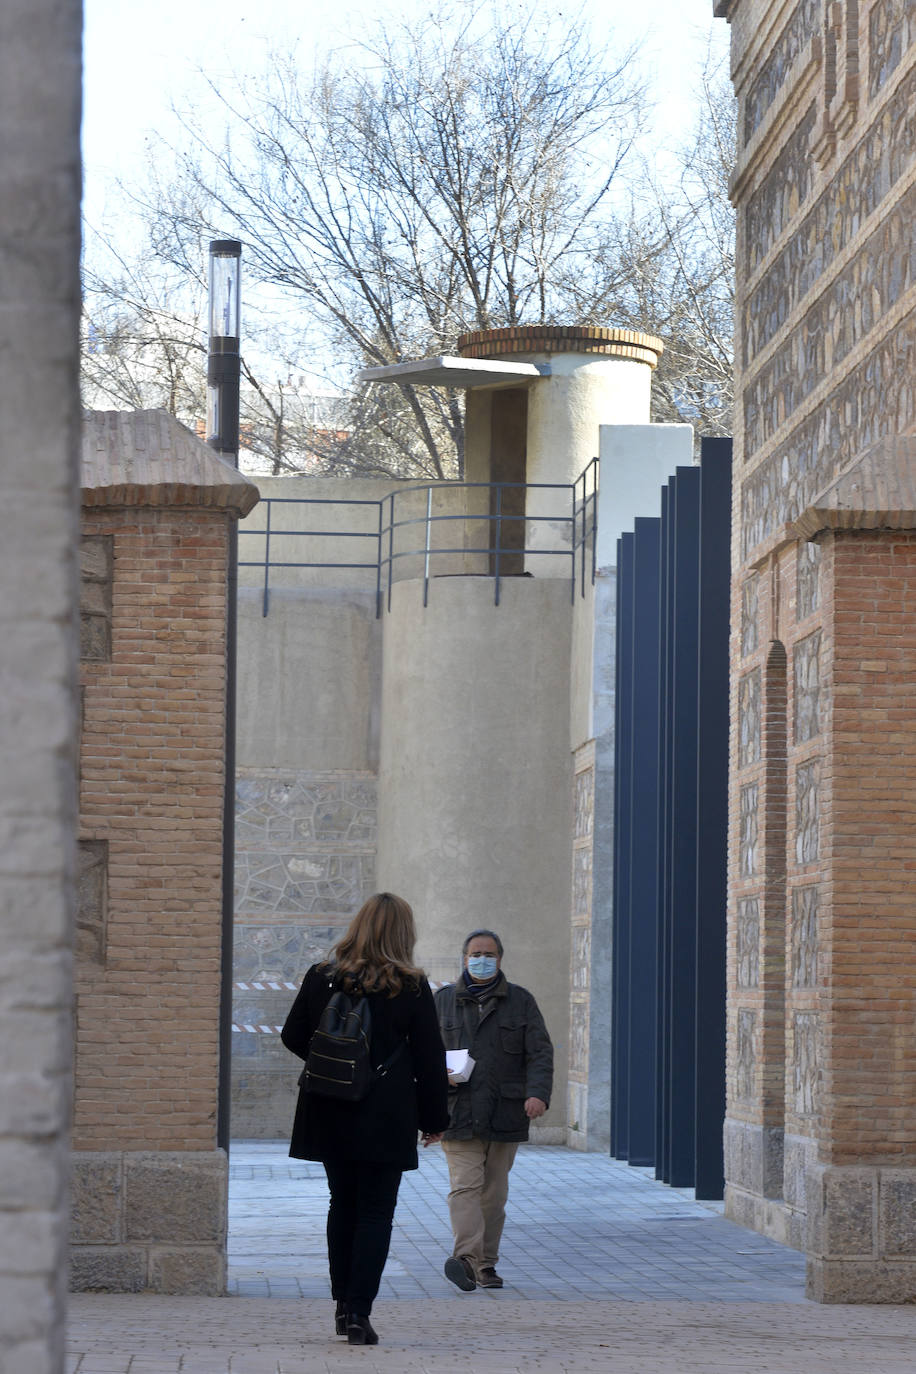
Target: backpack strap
pixel 383 1068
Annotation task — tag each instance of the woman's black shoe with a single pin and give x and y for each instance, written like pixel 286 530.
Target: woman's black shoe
pixel 340 1318
pixel 359 1330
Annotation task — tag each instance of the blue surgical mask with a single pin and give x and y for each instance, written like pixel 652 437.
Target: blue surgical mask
pixel 482 965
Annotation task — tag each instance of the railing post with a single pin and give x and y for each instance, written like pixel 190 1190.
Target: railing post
pixel 390 545
pixel 572 544
pixel 378 564
pixel 429 511
pixel 266 601
pixel 499 508
pixel 584 525
pixel 596 470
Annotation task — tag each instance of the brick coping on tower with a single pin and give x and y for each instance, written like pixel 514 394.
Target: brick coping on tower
pixel 549 338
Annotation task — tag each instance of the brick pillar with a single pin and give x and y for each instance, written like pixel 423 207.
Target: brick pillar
pixel 39 435
pixel 149 1183
pixel 861 1193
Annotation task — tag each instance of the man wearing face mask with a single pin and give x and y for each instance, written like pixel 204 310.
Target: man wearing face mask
pixel 500 1025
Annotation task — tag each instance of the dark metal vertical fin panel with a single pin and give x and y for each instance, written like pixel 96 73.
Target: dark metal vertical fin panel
pixel 621 908
pixel 663 1004
pixel 712 808
pixel 683 707
pixel 643 890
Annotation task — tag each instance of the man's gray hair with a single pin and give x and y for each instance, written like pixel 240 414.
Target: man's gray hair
pixel 490 934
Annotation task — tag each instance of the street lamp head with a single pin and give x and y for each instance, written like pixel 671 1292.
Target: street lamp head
pixel 223 363
pixel 225 273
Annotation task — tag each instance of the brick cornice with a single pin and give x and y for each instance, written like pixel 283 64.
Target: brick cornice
pixel 526 339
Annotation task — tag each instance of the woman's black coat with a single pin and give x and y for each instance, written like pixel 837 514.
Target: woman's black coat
pixel 412 1096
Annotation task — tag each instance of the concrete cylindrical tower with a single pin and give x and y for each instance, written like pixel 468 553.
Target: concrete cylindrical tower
pixel 593 377
pixel 475 779
pixel 596 377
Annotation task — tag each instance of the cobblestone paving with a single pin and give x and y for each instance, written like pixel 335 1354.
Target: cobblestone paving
pixel 605 1270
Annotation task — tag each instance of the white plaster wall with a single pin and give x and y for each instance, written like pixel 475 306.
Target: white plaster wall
pixel 475 780
pixel 39 445
pixel 636 462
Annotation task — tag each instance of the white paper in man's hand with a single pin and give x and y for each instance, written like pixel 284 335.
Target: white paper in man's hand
pixel 460 1065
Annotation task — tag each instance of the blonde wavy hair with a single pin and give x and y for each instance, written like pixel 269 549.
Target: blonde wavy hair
pixel 377 950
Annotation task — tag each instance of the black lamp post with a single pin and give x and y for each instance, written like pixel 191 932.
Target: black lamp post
pixel 223 372
pixel 223 359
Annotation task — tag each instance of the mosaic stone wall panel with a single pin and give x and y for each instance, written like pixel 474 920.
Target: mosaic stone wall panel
pixel 581 960
pixel 299 884
pixel 578 1039
pixel 305 862
pixel 749 718
pixel 585 803
pixel 809 694
pixel 877 278
pixel 891 30
pixel 304 844
pixel 750 605
pixel 807 578
pixel 582 882
pixel 282 950
pixel 748 942
pixel 807 812
pixel 747 840
pixel 805 1062
pixel 795 36
pixel 865 178
pixel 804 937
pixel 581 908
pixel 746 1055
pixel 877 399
pixel 783 192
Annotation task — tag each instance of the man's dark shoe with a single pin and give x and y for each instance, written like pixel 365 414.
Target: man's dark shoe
pixel 460 1270
pixel 488 1278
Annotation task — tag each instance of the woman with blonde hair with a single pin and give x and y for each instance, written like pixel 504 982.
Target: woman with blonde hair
pixel 365 1146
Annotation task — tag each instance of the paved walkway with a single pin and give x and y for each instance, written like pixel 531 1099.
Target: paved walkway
pixel 605 1270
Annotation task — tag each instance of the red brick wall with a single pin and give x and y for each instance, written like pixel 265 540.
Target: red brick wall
pixel 869 987
pixel 152 778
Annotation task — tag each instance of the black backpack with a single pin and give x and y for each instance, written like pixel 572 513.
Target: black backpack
pixel 339 1060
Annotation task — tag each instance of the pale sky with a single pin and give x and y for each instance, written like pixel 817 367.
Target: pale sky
pixel 140 57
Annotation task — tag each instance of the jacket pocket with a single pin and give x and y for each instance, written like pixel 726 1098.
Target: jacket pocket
pixel 512 1039
pixel 452 1032
pixel 509 1117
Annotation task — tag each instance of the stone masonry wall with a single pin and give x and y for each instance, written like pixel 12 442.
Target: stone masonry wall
pixel 149 1184
pixel 305 862
pixel 820 1131
pixel 39 442
pixel 581 938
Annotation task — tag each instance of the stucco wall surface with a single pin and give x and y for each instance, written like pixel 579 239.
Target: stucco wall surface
pixel 308 680
pixel 475 780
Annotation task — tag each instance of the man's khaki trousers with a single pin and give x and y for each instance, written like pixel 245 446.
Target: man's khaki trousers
pixel 478 1171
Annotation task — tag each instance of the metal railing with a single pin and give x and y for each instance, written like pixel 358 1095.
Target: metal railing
pixel 503 510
